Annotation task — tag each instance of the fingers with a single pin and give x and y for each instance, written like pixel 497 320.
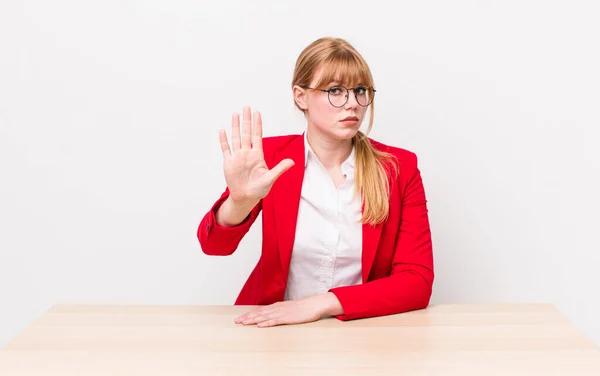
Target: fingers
pixel 224 143
pixel 249 315
pixel 257 131
pixel 259 315
pixel 276 171
pixel 235 132
pixel 267 323
pixel 247 129
pixel 249 135
pixel 255 319
pixel 241 318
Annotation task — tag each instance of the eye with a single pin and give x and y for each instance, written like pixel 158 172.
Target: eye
pixel 361 90
pixel 336 90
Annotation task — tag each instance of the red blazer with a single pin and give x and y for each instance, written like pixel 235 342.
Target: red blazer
pixel 397 259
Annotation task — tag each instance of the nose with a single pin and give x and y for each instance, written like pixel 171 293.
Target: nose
pixel 351 102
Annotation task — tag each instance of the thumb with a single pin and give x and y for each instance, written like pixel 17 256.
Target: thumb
pixel 276 171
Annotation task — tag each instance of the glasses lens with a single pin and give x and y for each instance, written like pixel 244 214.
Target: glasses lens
pixel 364 96
pixel 338 96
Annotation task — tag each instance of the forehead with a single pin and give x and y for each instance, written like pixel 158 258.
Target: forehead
pixel 348 75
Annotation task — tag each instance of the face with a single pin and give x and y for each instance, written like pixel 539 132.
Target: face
pixel 325 119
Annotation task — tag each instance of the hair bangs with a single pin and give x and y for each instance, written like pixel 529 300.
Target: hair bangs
pixel 344 68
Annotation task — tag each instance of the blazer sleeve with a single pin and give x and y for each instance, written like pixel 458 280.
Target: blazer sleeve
pixel 409 285
pixel 217 240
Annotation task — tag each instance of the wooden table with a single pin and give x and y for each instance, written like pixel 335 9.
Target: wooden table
pixel 524 339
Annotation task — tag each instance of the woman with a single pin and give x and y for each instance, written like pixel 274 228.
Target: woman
pixel 345 225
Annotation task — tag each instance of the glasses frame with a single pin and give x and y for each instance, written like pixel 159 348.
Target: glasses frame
pixel 353 89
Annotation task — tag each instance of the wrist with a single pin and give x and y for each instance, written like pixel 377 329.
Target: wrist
pixel 232 213
pixel 331 306
pixel 242 204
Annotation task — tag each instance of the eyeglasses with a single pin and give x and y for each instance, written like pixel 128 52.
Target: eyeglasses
pixel 338 95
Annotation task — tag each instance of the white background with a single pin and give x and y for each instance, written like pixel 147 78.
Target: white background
pixel 109 152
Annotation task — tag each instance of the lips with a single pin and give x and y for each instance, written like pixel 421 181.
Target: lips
pixel 350 118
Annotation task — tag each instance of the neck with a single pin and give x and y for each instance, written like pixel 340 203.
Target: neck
pixel 331 152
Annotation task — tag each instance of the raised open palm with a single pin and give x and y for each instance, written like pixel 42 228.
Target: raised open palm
pixel 246 173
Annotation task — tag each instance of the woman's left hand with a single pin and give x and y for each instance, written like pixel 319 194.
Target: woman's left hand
pixel 292 311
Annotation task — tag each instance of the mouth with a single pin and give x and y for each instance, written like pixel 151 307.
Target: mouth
pixel 350 118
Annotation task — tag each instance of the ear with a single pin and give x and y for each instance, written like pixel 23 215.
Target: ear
pixel 300 97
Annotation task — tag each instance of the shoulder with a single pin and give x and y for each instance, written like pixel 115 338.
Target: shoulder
pixel 276 148
pixel 403 169
pixel 276 143
pixel 404 157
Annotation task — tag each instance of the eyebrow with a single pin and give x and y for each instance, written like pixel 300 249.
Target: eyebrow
pixel 335 83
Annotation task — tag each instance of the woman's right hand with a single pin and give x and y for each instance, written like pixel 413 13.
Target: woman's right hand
pixel 247 176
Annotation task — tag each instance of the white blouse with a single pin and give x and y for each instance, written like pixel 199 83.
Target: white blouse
pixel 327 248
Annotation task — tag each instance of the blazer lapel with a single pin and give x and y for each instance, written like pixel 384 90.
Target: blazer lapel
pixel 370 242
pixel 287 190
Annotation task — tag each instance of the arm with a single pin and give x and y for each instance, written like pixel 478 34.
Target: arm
pixel 248 179
pixel 222 239
pixel 409 285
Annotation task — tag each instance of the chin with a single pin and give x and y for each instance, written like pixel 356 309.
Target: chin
pixel 345 133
